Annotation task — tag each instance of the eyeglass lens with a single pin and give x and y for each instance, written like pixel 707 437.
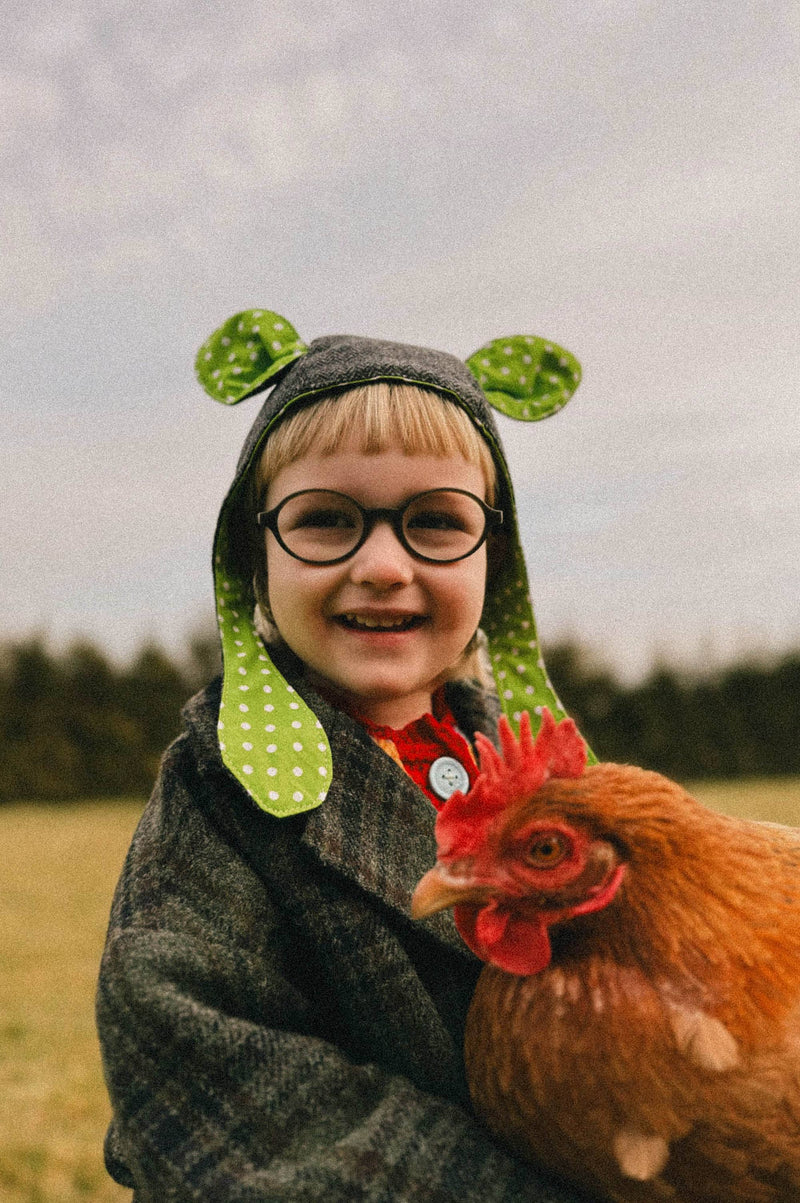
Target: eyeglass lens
pixel 440 525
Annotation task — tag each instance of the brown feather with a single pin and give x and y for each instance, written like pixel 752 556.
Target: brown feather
pixel 664 1037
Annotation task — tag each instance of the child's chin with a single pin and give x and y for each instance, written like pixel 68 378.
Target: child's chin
pixel 378 690
pixel 389 701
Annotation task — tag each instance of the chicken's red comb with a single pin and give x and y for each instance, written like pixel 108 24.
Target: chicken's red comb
pixel 516 772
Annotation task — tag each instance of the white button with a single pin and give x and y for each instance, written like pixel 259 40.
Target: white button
pixel 446 775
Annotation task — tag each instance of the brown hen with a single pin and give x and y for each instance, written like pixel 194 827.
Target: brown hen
pixel 637 1027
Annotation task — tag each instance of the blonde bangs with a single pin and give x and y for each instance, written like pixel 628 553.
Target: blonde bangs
pixel 380 416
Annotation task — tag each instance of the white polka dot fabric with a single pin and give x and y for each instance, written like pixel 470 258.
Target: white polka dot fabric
pixel 269 738
pixel 525 377
pixel 245 353
pixel 510 629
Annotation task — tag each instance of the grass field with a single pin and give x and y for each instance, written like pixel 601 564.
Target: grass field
pixel 59 866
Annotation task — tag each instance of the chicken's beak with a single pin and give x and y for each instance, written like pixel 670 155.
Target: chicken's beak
pixel 437 890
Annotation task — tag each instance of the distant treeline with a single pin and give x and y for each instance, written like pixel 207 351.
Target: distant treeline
pixel 74 725
pixel 741 721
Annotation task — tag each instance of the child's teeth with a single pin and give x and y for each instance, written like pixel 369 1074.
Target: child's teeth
pixel 362 620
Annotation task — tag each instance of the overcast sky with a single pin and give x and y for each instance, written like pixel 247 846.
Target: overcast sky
pixel 618 175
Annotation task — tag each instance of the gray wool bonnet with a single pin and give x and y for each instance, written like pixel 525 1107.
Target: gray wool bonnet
pixel 270 740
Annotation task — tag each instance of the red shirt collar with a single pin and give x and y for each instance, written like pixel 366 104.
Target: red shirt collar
pixel 425 740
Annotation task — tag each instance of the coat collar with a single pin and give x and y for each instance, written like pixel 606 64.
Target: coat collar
pixel 375 826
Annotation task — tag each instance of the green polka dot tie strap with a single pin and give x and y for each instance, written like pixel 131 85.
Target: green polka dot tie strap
pixel 269 738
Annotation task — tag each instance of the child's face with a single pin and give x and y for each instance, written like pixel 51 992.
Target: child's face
pixel 387 676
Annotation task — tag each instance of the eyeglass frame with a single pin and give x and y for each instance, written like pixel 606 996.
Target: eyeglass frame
pixel 371 516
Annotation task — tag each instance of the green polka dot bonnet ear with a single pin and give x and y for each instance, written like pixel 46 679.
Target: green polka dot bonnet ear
pixel 269 738
pixel 245 354
pixel 525 377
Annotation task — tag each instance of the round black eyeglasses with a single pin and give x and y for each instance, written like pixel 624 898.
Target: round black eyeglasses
pixel 321 526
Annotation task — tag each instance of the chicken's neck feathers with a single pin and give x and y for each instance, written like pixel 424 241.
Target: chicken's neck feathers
pixel 709 904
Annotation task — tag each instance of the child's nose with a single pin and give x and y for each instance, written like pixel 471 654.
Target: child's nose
pixel 382 560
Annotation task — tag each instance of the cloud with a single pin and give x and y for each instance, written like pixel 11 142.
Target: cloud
pixel 621 177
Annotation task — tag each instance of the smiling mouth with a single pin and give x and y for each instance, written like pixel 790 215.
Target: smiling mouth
pixel 368 622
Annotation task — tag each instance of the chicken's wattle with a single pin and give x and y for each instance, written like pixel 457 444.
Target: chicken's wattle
pixel 516 943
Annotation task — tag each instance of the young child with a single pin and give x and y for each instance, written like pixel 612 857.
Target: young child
pixel 274 1026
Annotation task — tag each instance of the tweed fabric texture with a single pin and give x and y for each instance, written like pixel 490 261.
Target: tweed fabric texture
pixel 342 360
pixel 273 1024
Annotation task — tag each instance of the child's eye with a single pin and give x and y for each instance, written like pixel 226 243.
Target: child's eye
pixel 435 520
pixel 328 519
pixel 444 525
pixel 318 525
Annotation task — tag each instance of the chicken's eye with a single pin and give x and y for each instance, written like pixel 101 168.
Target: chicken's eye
pixel 547 850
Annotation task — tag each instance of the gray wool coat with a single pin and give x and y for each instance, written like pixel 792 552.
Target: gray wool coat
pixel 273 1024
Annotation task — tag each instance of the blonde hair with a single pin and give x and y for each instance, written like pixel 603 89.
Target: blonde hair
pixel 381 415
